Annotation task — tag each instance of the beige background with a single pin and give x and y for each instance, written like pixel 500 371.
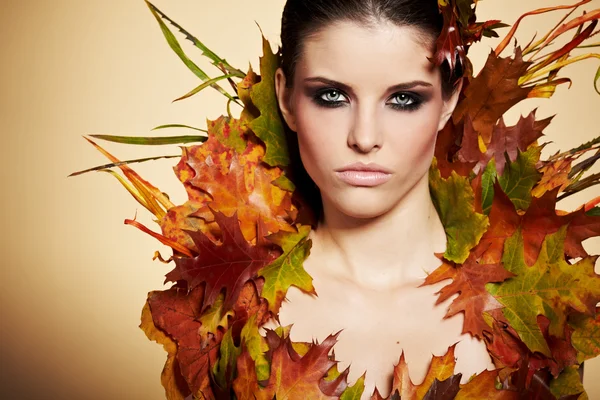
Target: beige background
pixel 74 277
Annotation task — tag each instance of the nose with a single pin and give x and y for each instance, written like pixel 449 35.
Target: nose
pixel 365 135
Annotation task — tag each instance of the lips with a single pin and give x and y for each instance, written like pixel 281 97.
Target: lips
pixel 359 174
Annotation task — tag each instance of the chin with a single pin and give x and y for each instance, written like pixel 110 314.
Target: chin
pixel 364 203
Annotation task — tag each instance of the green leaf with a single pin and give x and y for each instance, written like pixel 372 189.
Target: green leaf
pixel 454 201
pixel 568 383
pixel 224 369
pixel 268 126
pixel 178 126
pixel 520 177
pixel 287 270
pixel 257 346
pixel 550 287
pixel 594 211
pixel 586 336
pixel 152 141
pixel 355 391
pixel 176 47
pixel 487 186
pixel 229 132
pixel 284 183
pixel 116 164
pixel 203 85
pixel 216 60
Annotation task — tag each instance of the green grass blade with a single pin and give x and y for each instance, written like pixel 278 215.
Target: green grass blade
pixel 203 85
pixel 179 126
pixel 216 60
pixel 152 141
pixel 116 164
pixel 176 47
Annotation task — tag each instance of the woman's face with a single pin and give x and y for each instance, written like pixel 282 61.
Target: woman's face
pixel 365 98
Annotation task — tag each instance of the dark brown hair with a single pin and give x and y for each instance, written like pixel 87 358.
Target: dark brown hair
pixel 302 19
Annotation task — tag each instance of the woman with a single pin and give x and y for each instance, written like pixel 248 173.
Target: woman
pixel 366 103
pixel 370 92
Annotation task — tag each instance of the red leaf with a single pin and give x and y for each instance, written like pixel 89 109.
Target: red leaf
pixel 229 265
pixel 293 376
pixel 177 312
pixel 469 281
pixel 491 93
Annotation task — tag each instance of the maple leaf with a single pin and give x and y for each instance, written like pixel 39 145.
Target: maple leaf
pixel 175 386
pixel 355 391
pixel 287 270
pixel 520 177
pixel 449 44
pixel 224 369
pixel 555 174
pixel 493 92
pixel 235 182
pixel 469 281
pixel 294 376
pixel 226 266
pixel 483 386
pixel 504 140
pixel 586 335
pixel 551 288
pixel 268 126
pixel 245 385
pixel 568 383
pixel 177 312
pixel 454 202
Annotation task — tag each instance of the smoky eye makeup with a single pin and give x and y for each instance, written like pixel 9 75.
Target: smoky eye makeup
pixel 332 97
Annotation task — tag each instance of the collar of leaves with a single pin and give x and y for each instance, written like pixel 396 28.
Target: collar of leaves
pixel 241 237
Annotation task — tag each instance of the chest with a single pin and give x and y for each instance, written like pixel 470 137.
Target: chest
pixel 378 326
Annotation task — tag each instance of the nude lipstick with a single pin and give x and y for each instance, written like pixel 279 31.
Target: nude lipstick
pixel 359 174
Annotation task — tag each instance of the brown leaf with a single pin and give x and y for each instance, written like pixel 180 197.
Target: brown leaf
pixel 177 313
pixel 227 266
pixel 469 281
pixel 294 376
pixel 491 93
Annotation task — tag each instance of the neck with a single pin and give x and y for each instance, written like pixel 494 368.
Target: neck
pixel 388 251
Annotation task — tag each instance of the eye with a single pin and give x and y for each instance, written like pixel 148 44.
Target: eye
pixel 406 101
pixel 329 98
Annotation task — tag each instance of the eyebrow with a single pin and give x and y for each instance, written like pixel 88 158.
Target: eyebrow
pixel 399 86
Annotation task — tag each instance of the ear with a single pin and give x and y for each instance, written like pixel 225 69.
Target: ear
pixel 283 98
pixel 450 105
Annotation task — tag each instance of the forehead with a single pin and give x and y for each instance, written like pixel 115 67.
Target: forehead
pixel 381 53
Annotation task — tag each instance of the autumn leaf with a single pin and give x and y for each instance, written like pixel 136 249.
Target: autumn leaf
pixel 175 386
pixel 483 386
pixel 287 270
pixel 468 280
pixel 586 335
pixel 229 132
pixel 298 377
pixel 177 312
pixel 493 92
pixel 235 183
pixel 504 139
pixel 551 288
pixel 440 368
pixel 268 126
pixel 454 201
pixel 568 383
pixel 520 177
pixel 224 369
pixel 226 266
pixel 257 347
pixel 355 391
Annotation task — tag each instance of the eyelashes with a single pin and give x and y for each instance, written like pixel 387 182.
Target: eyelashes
pixel 405 101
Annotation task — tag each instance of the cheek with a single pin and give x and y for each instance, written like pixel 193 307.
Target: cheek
pixel 320 138
pixel 415 136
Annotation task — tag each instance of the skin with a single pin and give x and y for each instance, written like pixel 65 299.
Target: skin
pixel 376 244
